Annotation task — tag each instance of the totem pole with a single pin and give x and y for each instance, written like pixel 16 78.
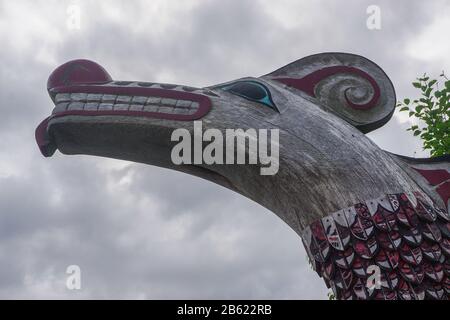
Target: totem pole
pixel 361 212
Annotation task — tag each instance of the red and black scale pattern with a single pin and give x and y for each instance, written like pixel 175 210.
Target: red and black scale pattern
pixel 393 247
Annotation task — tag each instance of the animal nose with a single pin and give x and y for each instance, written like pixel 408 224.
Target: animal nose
pixel 78 72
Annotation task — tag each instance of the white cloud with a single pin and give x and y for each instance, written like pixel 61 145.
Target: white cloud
pixel 431 44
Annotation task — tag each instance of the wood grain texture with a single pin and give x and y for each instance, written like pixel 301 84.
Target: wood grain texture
pixel 326 162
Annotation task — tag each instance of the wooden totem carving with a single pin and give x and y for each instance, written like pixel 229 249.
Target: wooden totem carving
pixel 359 210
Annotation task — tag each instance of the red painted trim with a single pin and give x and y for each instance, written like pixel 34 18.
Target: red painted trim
pixel 308 83
pixel 444 191
pixel 434 177
pixel 42 139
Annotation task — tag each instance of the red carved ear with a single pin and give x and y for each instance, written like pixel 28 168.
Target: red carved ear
pixel 351 86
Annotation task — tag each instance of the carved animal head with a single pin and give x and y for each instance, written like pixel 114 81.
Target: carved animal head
pixel 322 105
pixel 355 206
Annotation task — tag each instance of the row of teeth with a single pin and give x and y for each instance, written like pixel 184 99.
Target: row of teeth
pixel 108 102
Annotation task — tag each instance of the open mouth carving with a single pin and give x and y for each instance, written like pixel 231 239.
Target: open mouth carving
pixel 84 88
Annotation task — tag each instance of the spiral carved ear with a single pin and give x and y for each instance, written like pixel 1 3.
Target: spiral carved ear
pixel 351 86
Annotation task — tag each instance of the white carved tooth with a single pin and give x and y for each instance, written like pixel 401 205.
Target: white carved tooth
pixel 136 107
pixel 62 97
pixel 94 97
pixel 169 102
pixel 109 98
pixel 76 106
pixel 153 100
pixel 183 103
pixel 151 108
pixel 165 109
pixel 105 106
pixel 121 107
pixel 123 99
pixel 91 106
pixel 60 107
pixel 181 111
pixel 139 100
pixel 78 96
pixel 194 105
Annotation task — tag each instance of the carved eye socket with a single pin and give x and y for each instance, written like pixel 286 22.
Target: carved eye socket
pixel 251 90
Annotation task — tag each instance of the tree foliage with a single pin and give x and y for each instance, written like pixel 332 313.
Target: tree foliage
pixel 433 109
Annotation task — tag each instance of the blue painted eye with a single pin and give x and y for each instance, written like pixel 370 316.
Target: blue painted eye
pixel 251 90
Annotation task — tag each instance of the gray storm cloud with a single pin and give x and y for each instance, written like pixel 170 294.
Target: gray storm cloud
pixel 143 232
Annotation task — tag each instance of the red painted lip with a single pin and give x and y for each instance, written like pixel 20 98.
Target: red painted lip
pixel 45 144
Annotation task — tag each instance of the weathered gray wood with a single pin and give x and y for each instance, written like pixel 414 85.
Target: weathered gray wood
pixel 326 162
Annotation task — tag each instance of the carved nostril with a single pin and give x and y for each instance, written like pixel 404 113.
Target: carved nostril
pixel 78 72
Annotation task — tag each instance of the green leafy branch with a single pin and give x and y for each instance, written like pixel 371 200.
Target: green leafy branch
pixel 433 109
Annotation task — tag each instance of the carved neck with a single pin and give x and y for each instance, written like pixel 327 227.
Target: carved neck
pixel 323 190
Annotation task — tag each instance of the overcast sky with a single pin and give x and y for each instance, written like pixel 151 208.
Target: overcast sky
pixel 138 231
